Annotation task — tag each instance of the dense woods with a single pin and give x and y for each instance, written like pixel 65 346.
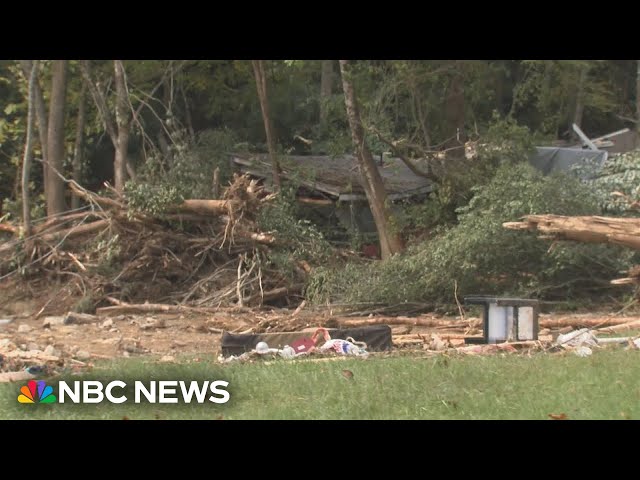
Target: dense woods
pixel 160 134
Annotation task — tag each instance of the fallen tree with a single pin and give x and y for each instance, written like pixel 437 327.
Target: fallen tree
pixel 587 229
pixel 196 255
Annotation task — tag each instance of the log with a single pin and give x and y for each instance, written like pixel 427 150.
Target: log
pixel 275 294
pixel 127 308
pixel 315 201
pixel 587 229
pixel 621 328
pixel 578 322
pixel 6 227
pixel 205 207
pixel 55 222
pixel 440 324
pixel 92 197
pixel 419 322
pixel 76 231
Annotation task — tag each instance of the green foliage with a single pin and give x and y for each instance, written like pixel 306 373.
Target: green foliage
pixel 188 173
pixel 152 199
pixel 620 174
pixel 109 249
pixel 301 239
pixel 549 89
pixel 505 143
pixel 13 208
pixel 480 256
pixel 86 304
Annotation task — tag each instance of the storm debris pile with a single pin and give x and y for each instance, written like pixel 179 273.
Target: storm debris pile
pixel 198 254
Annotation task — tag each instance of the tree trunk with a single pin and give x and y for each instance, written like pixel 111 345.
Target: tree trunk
pixel 122 123
pixel 28 151
pixel 454 112
pixel 41 116
pixel 326 88
pixel 638 95
pixel 78 149
pixel 261 85
pixel 55 138
pixel 577 116
pixel 187 113
pixel 586 229
pixel 390 242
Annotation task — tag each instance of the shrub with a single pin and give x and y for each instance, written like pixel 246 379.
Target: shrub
pixel 484 258
pixel 299 239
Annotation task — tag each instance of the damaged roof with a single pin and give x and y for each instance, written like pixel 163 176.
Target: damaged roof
pixel 337 177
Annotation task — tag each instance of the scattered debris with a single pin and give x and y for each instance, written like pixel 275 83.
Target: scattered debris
pixel 577 338
pixel 19 376
pixel 107 323
pixel 198 255
pixel 51 351
pixel 558 416
pixel 73 318
pixel 583 351
pixel 83 355
pixel 348 374
pixel 153 323
pixel 49 321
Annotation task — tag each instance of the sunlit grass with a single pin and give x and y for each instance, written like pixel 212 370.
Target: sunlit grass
pixel 603 386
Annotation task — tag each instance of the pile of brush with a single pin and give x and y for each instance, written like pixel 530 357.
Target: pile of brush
pixel 200 253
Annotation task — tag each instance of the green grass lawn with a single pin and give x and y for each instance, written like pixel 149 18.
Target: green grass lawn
pixel 603 386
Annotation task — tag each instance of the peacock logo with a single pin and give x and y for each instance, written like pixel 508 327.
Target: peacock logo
pixel 36 392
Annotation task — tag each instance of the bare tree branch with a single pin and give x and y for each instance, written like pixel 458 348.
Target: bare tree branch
pixel 101 104
pixel 397 152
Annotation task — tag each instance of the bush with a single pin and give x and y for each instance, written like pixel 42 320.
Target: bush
pixel 483 257
pixel 300 239
pixel 504 143
pixel 619 174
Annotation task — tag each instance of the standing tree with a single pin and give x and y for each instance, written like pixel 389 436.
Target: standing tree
pixel 579 111
pixel 326 88
pixel 78 149
pixel 41 115
pixel 123 120
pixel 118 129
pixel 55 138
pixel 28 151
pixel 455 109
pixel 390 242
pixel 261 85
pixel 638 95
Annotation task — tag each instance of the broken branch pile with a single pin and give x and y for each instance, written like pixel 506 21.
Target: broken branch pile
pixel 201 253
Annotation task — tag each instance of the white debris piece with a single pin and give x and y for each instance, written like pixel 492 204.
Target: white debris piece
pixel 577 338
pixel 583 351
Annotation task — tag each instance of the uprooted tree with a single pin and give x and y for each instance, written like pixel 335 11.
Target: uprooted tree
pixel 586 229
